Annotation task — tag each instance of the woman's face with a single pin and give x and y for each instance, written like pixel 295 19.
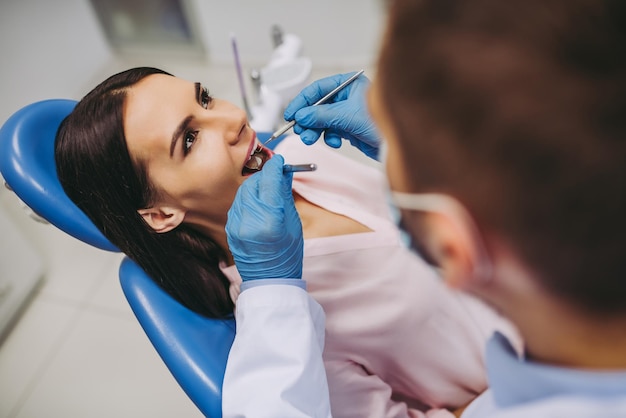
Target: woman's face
pixel 194 147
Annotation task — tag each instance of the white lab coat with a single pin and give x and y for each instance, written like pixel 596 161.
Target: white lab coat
pixel 275 366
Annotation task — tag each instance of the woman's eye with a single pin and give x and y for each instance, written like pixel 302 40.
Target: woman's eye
pixel 205 98
pixel 189 139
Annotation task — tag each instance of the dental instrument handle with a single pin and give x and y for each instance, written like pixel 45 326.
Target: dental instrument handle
pixel 281 131
pixel 242 88
pixel 296 168
pixel 319 102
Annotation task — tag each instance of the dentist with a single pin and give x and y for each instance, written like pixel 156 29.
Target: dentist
pixel 504 129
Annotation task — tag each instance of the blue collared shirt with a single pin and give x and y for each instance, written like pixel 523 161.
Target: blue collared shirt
pixel 253 283
pixel 515 381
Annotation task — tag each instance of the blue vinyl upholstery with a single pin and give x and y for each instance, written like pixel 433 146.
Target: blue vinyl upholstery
pixel 193 347
pixel 27 165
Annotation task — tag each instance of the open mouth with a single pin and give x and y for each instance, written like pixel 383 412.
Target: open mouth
pixel 260 155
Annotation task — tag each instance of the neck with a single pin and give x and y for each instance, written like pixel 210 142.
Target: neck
pixel 571 339
pixel 555 332
pixel 316 222
pixel 217 230
pixel 213 230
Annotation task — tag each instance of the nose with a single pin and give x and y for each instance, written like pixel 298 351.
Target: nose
pixel 229 119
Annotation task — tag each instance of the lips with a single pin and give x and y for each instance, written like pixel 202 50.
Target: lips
pixel 259 155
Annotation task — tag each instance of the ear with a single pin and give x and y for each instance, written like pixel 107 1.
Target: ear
pixel 162 218
pixel 452 247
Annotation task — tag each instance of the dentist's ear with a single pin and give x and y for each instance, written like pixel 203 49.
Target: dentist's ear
pixel 453 248
pixel 162 218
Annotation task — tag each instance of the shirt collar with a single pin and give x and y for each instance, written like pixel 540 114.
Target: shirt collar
pixel 514 380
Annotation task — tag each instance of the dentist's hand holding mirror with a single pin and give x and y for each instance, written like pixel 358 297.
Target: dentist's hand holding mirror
pixel 264 231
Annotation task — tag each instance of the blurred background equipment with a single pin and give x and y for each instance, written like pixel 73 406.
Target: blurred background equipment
pixel 164 26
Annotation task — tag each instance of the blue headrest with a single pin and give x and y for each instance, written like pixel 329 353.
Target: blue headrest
pixel 27 165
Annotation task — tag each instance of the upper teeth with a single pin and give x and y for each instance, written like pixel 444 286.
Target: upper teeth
pixel 255 161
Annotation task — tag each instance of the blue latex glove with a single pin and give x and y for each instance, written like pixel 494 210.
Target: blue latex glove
pixel 345 115
pixel 264 231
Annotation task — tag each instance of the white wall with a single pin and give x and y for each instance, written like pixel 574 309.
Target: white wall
pixel 334 32
pixel 49 49
pixel 338 36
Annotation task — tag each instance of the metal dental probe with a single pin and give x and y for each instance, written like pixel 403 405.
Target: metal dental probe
pixel 295 168
pixel 319 102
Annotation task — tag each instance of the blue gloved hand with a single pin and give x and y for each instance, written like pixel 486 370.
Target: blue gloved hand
pixel 345 115
pixel 264 231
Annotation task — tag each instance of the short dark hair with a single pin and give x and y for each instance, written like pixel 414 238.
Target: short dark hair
pixel 99 176
pixel 518 109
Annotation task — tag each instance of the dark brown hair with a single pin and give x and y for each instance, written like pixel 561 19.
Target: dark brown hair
pixel 98 174
pixel 518 109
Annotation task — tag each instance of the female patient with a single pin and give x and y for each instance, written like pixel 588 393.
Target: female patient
pixel 155 162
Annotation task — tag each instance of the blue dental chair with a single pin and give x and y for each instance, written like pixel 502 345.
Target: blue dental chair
pixel 194 348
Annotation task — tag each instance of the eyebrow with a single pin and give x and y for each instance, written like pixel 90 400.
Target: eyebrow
pixel 182 127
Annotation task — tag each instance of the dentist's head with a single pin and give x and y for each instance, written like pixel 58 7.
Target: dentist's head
pixel 510 117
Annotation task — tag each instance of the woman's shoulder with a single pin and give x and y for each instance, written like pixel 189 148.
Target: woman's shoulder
pixel 341 183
